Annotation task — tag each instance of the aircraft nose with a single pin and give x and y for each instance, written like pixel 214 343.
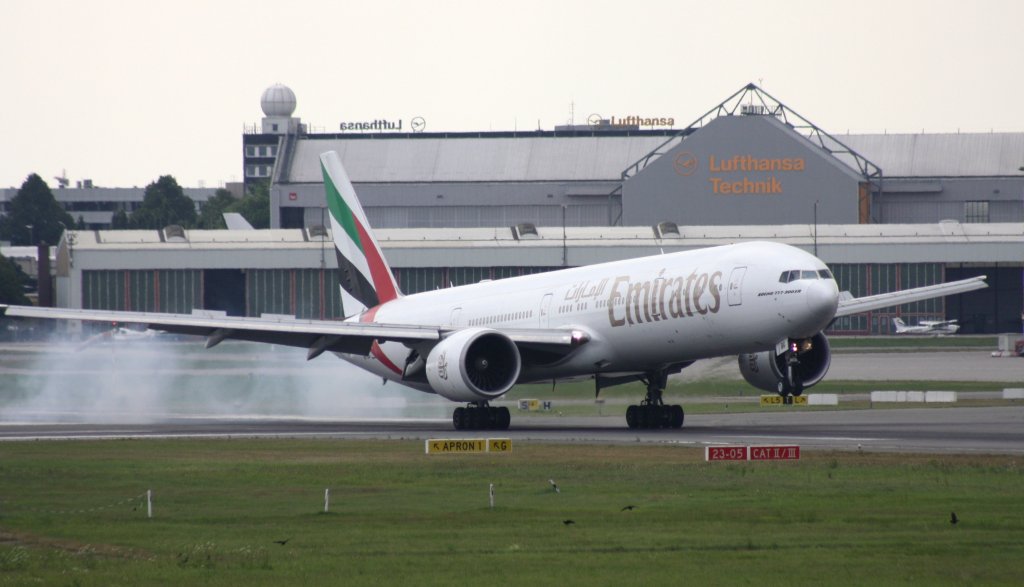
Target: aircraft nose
pixel 822 298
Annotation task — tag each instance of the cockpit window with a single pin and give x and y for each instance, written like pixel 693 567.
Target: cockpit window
pixel 794 274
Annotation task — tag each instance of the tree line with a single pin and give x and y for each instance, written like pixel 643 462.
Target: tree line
pixel 35 216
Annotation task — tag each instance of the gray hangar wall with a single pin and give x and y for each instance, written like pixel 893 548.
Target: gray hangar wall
pixel 743 170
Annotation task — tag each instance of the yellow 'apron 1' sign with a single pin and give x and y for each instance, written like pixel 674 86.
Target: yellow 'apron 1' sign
pixel 468 445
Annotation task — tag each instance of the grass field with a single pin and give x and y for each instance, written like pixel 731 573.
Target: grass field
pixel 401 517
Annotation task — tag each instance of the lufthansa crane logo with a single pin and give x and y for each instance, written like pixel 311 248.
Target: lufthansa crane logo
pixel 685 163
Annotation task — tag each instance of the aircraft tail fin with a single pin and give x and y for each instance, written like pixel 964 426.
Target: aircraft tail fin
pixel 899 324
pixel 235 221
pixel 365 278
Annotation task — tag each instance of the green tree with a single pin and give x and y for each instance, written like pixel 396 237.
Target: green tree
pixel 12 283
pixel 255 206
pixel 119 221
pixel 34 206
pixel 211 213
pixel 164 203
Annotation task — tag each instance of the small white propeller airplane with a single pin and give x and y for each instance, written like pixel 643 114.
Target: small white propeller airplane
pixel 635 320
pixel 937 327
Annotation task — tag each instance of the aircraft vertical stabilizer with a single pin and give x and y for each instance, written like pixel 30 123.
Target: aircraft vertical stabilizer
pixel 366 279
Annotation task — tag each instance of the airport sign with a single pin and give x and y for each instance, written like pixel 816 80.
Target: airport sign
pixel 775 399
pixel 752 453
pixel 725 453
pixel 467 445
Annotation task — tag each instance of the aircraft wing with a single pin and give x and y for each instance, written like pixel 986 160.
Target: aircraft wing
pixel 850 306
pixel 317 336
pixel 322 335
pixel 936 323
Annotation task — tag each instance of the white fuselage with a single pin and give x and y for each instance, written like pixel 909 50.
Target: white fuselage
pixel 640 314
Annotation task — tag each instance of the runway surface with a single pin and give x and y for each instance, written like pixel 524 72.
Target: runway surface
pixel 45 389
pixel 940 430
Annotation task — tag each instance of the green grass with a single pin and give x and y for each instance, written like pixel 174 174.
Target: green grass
pixel 401 517
pixel 913 342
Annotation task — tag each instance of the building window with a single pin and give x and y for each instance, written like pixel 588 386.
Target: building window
pixel 976 211
pixel 250 151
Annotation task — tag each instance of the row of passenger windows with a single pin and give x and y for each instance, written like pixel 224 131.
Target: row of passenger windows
pixel 795 274
pixel 502 318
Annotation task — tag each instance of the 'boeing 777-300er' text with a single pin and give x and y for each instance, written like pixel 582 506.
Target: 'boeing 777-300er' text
pixel 635 320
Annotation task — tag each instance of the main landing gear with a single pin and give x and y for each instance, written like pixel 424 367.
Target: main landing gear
pixel 480 416
pixel 652 411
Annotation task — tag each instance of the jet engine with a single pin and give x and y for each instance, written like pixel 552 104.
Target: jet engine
pixel 807 359
pixel 472 365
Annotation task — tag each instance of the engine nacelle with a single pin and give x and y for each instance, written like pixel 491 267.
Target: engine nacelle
pixel 475 364
pixel 767 371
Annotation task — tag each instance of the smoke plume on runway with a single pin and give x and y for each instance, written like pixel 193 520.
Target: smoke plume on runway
pixel 156 378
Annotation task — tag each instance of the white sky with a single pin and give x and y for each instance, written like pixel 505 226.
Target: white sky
pixel 122 92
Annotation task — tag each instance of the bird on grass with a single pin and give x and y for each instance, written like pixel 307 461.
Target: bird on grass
pixel 953 519
pixel 568 522
pixel 282 542
pixel 628 508
pixel 554 485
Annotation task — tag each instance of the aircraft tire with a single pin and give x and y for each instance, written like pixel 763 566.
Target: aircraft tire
pixel 459 418
pixel 644 417
pixel 503 419
pixel 631 419
pixel 677 416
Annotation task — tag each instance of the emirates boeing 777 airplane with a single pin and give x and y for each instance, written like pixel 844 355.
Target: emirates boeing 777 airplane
pixel 636 320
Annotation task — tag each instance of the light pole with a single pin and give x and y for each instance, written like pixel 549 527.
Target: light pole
pixel 565 252
pixel 31 234
pixel 815 228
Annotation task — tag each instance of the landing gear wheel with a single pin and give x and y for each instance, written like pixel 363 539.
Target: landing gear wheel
pixel 631 417
pixel 644 417
pixel 677 416
pixel 477 417
pixel 503 420
pixel 652 413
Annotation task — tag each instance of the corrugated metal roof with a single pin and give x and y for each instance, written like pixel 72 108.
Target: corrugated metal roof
pixel 942 155
pixel 474 159
pixel 506 159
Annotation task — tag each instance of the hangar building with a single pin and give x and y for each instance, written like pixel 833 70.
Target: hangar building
pixel 885 212
pixel 748 160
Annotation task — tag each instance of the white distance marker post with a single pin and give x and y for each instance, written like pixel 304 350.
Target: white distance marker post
pixel 149 503
pixel 492 496
pixel 327 499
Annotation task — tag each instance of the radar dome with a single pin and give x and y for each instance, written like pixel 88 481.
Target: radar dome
pixel 278 100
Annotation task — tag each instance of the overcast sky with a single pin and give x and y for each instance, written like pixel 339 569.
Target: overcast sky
pixel 122 92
